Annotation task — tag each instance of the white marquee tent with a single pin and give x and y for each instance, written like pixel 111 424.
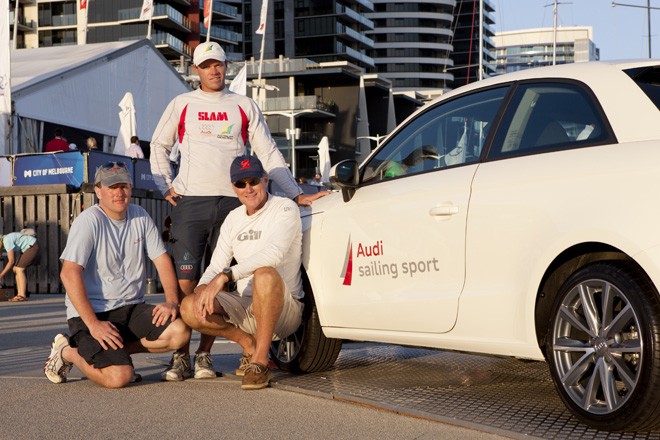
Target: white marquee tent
pixel 81 87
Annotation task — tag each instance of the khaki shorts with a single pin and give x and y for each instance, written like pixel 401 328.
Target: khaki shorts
pixel 239 313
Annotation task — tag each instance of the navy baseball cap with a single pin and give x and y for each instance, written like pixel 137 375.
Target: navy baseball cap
pixel 245 166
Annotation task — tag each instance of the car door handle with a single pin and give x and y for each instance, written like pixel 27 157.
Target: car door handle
pixel 443 210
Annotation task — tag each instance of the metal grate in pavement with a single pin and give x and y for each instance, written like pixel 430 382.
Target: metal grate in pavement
pixel 498 395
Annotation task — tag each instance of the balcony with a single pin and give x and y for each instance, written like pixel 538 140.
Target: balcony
pixel 308 139
pixel 346 32
pixel 347 12
pixel 222 9
pixel 23 24
pixel 58 21
pixel 221 35
pixel 166 16
pixel 354 54
pixel 366 4
pixel 310 104
pixel 170 46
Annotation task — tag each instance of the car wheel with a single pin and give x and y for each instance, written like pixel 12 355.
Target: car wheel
pixel 603 347
pixel 307 350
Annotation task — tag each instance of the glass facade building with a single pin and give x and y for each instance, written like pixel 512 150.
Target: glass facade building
pixel 528 48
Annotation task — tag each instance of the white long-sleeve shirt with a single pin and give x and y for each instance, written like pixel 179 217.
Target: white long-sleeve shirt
pixel 271 237
pixel 212 129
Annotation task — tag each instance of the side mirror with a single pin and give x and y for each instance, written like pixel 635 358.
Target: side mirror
pixel 345 175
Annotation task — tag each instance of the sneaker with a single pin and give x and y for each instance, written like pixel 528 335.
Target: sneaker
pixel 242 364
pixel 179 368
pixel 56 367
pixel 204 366
pixel 256 377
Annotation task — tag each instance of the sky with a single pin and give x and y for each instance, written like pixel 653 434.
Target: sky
pixel 619 32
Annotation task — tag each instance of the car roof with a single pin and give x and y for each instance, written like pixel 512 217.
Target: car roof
pixel 581 71
pixel 617 94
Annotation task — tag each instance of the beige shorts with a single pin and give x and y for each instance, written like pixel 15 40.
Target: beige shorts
pixel 239 313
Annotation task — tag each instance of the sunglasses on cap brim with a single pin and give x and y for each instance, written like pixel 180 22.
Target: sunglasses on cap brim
pixel 252 181
pixel 112 165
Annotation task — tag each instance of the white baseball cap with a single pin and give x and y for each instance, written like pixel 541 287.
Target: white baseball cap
pixel 208 51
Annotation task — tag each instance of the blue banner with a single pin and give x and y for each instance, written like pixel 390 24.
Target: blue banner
pixel 48 169
pixel 143 178
pixel 96 158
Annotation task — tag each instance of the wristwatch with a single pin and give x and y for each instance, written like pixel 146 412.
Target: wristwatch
pixel 231 284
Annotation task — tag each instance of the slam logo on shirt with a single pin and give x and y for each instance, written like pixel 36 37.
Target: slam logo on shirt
pixel 212 116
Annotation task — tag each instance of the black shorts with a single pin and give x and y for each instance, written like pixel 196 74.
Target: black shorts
pixel 29 257
pixel 132 321
pixel 195 219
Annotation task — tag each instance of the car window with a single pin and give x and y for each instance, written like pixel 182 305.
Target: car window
pixel 448 134
pixel 543 117
pixel 648 79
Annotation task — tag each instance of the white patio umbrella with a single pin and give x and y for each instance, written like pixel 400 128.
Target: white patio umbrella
pixel 324 159
pixel 127 124
pixel 239 83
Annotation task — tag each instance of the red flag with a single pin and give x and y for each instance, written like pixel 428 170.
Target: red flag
pixel 207 12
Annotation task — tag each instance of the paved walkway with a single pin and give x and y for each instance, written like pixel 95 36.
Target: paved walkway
pixel 34 408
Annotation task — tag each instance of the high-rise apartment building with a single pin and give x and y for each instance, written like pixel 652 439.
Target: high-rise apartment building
pixel 524 49
pixel 318 30
pixel 413 42
pixel 421 45
pixel 174 27
pixel 473 24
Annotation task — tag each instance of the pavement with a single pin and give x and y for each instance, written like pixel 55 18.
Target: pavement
pixel 34 408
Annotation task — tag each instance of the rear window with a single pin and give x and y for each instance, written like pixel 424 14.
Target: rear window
pixel 648 79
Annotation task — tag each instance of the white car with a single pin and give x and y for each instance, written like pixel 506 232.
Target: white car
pixel 516 216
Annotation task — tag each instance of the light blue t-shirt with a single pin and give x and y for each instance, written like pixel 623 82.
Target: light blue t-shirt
pixel 17 242
pixel 112 254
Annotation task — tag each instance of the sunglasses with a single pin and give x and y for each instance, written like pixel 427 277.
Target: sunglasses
pixel 112 165
pixel 252 181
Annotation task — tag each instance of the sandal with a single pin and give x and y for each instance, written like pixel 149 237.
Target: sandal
pixel 17 298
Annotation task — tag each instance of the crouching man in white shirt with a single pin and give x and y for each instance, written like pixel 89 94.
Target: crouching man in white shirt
pixel 259 298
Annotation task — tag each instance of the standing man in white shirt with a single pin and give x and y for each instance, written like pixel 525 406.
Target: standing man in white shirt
pixel 134 150
pixel 258 298
pixel 212 126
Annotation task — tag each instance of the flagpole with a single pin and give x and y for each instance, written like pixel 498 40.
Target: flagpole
pixel 15 25
pixel 263 18
pixel 149 26
pixel 208 28
pixel 86 20
pixel 6 125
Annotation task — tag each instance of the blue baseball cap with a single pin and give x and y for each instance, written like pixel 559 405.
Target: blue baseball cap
pixel 245 166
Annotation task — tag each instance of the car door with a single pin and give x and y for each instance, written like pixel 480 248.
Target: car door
pixel 395 252
pixel 547 168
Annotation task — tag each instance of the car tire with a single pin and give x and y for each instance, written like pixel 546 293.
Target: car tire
pixel 603 347
pixel 307 350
